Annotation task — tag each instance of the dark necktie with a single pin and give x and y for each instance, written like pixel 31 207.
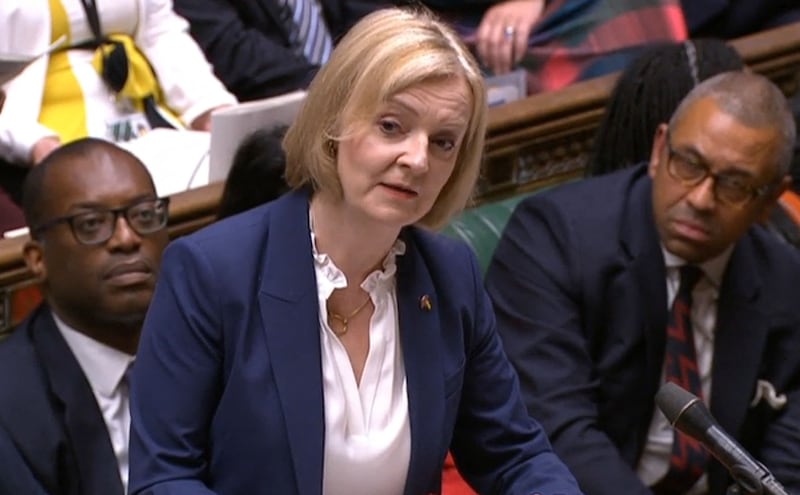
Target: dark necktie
pixel 309 34
pixel 688 460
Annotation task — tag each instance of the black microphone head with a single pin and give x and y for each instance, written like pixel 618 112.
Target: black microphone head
pixel 673 400
pixel 684 410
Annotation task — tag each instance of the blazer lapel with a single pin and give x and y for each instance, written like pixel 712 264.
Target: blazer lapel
pixel 420 337
pixel 739 339
pixel 290 317
pixel 86 429
pixel 641 242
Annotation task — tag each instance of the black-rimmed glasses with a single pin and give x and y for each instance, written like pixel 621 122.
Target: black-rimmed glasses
pixel 730 189
pixel 97 226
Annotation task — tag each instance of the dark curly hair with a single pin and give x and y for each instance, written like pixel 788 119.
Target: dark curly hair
pixel 257 173
pixel 648 92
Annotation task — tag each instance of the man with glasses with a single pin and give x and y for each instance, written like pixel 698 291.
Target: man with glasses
pixel 97 234
pixel 606 288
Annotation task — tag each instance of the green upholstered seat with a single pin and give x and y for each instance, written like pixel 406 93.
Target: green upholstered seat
pixel 482 226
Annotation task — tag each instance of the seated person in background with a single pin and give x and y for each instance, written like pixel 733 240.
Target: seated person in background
pixel 785 221
pixel 83 89
pixel 646 94
pixel 256 46
pixel 97 233
pixel 11 216
pixel 734 18
pixel 324 343
pixel 257 173
pixel 562 41
pixel 602 286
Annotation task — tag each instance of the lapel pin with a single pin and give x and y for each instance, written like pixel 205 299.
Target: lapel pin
pixel 425 303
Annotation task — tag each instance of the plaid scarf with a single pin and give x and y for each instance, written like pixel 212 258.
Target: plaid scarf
pixel 580 39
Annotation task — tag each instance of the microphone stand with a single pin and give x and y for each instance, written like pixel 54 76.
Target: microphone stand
pixel 746 483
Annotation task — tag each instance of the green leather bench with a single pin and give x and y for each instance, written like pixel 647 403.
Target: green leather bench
pixel 482 226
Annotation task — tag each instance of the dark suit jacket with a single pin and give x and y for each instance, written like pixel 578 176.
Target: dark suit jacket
pixel 15 475
pixel 227 390
pixel 578 284
pixel 247 42
pixel 50 414
pixel 735 18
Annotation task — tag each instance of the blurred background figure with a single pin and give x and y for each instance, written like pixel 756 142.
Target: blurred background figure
pixel 11 216
pixel 562 41
pixel 734 18
pixel 258 47
pixel 122 69
pixel 257 173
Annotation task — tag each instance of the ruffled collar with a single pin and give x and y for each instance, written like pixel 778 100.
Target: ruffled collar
pixel 379 280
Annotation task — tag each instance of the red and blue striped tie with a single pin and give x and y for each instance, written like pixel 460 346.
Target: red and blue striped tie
pixel 688 460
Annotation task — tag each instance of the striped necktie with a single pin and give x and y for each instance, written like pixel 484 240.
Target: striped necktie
pixel 688 459
pixel 309 34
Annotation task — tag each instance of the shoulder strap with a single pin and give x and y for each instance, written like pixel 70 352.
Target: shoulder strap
pixel 90 7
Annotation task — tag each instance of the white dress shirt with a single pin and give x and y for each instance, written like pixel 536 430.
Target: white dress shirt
pixel 105 369
pixel 367 434
pixel 654 463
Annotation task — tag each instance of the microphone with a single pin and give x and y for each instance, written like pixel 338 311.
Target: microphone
pixel 687 413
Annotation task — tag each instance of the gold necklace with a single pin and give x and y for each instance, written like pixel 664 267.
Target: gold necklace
pixel 345 319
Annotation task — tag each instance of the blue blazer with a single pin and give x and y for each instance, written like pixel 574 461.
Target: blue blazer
pixel 578 283
pixel 55 430
pixel 227 391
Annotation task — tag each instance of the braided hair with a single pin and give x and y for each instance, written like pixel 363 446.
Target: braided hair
pixel 648 92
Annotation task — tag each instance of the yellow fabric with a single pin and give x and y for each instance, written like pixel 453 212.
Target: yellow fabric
pixel 62 108
pixel 141 81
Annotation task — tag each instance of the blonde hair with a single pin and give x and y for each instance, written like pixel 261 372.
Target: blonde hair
pixel 385 53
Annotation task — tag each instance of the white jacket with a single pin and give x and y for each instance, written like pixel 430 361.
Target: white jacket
pixel 185 76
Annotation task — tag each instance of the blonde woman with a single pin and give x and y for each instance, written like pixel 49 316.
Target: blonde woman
pixel 329 342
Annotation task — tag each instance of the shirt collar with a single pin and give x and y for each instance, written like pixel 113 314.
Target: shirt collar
pixel 103 366
pixel 713 269
pixel 382 279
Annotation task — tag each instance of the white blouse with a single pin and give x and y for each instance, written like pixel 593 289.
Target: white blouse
pixel 367 434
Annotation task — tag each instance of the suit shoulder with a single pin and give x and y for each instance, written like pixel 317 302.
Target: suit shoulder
pixel 232 241
pixel 779 261
pixel 591 199
pixel 16 349
pixel 241 226
pixel 20 372
pixel 446 258
pixel 437 244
